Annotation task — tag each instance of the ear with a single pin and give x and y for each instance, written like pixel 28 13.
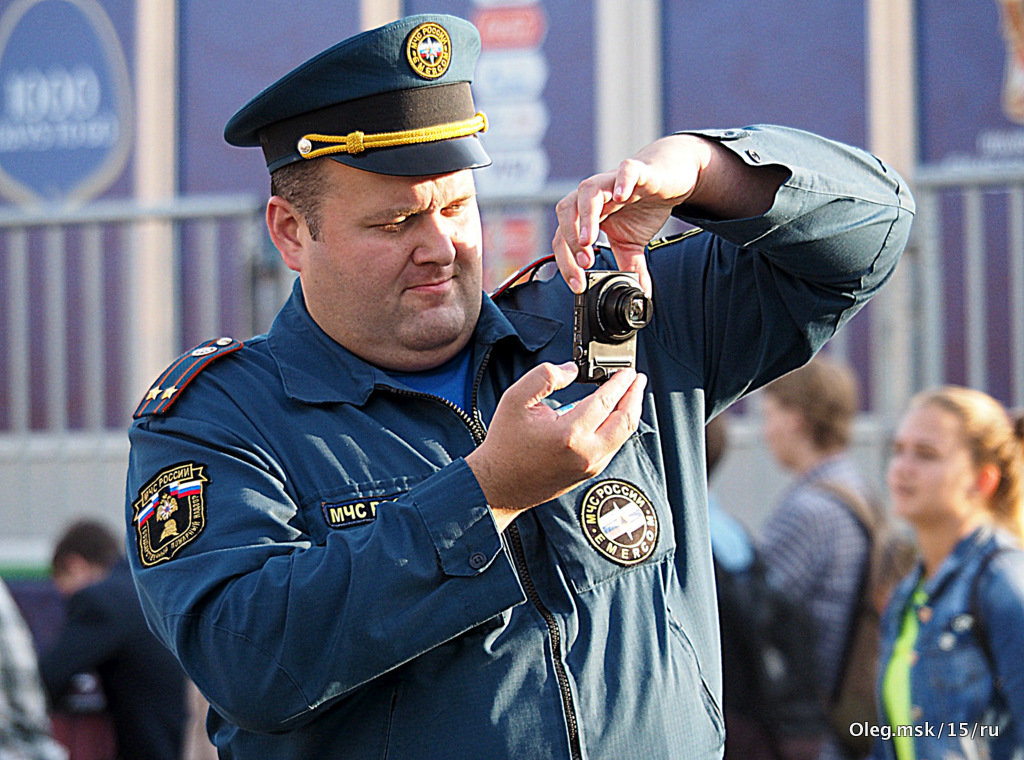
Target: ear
pixel 288 231
pixel 988 480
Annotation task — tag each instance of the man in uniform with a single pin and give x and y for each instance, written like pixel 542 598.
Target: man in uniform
pixel 394 526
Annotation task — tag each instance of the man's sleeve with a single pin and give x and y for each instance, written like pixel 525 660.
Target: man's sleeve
pixel 272 625
pixel 749 299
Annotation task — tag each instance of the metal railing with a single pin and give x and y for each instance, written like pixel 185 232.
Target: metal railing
pixel 66 322
pixel 968 324
pixel 66 280
pixel 68 325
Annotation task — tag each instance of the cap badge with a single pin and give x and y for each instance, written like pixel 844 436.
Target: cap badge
pixel 429 50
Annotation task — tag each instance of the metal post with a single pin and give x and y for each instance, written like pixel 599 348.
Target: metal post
pixel 1016 256
pixel 628 97
pixel 151 335
pixel 374 13
pixel 892 135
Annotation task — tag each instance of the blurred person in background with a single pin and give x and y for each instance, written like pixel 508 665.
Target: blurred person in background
pixel 813 544
pixel 952 673
pixel 24 724
pixel 104 631
pixel 730 541
pixel 768 693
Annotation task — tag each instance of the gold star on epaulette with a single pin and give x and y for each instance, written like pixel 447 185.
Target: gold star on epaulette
pixel 170 385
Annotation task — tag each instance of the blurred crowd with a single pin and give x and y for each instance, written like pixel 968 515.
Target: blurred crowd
pixel 858 624
pixel 89 681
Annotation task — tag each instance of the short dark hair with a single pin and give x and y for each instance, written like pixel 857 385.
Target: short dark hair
pixel 89 539
pixel 303 184
pixel 826 392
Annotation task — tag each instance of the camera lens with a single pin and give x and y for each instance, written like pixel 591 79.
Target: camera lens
pixel 622 309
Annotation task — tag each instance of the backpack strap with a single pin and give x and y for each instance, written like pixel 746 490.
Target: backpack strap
pixel 866 513
pixel 870 520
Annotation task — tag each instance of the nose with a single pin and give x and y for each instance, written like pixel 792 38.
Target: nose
pixel 898 463
pixel 436 244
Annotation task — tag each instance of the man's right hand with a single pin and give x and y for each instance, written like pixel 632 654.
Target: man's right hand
pixel 533 454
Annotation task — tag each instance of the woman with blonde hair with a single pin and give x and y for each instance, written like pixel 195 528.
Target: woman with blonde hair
pixel 951 680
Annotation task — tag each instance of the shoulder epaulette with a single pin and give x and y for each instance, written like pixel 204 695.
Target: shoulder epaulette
pixel 172 382
pixel 661 242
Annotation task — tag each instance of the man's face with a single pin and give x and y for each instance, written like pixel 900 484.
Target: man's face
pixel 395 274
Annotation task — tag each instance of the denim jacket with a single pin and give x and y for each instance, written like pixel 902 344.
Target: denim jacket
pixel 967 682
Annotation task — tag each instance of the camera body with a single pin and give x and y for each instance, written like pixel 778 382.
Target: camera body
pixel 606 317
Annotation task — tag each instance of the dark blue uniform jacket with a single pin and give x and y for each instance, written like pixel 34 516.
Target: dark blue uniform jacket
pixel 311 544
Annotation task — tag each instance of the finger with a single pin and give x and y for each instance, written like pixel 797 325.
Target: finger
pixel 624 419
pixel 540 382
pixel 592 411
pixel 630 175
pixel 567 265
pixel 565 243
pixel 632 258
pixel 592 205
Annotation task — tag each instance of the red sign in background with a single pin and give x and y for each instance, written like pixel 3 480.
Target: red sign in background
pixel 519 26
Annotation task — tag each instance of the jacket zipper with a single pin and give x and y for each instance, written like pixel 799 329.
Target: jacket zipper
pixel 478 430
pixel 555 636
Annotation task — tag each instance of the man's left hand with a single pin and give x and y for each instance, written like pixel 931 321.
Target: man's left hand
pixel 630 205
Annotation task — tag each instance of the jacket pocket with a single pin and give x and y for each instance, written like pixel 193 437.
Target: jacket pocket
pixel 712 708
pixel 956 673
pixel 615 522
pixel 350 505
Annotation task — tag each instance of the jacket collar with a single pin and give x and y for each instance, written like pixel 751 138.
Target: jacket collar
pixel 970 546
pixel 314 368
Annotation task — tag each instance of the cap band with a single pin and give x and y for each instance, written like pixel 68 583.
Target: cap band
pixel 357 142
pixel 399 112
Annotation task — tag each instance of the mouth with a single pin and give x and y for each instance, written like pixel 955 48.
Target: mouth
pixel 429 287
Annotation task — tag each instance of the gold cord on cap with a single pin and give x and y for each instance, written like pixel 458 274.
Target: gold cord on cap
pixel 357 142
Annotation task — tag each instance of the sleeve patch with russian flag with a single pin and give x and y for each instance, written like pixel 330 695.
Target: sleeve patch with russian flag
pixel 170 512
pixel 172 382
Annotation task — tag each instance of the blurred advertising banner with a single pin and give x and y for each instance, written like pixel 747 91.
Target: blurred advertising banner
pixel 971 64
pixel 65 101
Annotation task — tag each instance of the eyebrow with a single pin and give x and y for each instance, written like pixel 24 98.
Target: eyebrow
pixel 379 216
pixel 383 216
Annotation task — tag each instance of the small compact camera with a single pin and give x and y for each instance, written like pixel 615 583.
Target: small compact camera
pixel 606 317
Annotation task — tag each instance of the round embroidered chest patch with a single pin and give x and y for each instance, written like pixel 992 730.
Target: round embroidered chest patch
pixel 620 522
pixel 429 50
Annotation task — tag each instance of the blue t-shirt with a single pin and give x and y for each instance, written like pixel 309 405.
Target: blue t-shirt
pixel 449 381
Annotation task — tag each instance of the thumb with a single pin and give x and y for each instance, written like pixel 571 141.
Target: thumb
pixel 543 380
pixel 630 258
